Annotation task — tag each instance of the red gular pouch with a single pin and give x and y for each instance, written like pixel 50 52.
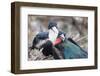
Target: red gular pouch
pixel 57 41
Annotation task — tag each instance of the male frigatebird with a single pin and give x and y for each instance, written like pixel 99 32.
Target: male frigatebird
pixel 55 40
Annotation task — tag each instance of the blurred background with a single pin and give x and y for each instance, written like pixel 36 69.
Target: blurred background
pixel 74 27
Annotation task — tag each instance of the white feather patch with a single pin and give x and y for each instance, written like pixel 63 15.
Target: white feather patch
pixel 53 33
